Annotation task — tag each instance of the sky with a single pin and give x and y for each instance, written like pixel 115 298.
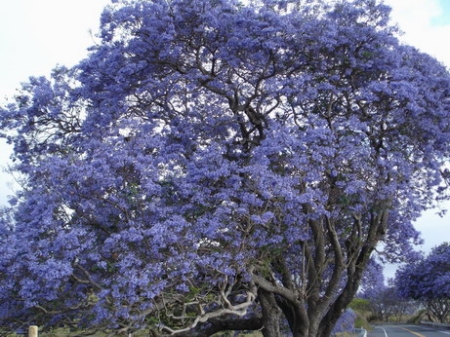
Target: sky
pixel 36 35
pixel 426 25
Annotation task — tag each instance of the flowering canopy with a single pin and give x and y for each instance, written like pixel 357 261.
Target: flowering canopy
pixel 428 281
pixel 214 165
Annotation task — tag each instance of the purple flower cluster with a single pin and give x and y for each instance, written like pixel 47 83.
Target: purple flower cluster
pixel 213 165
pixel 428 281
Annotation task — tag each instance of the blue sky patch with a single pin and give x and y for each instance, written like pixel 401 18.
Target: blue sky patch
pixel 444 18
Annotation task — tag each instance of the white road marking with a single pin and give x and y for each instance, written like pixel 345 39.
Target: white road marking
pixel 385 333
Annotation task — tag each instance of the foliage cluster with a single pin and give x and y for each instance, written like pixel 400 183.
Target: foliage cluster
pixel 428 281
pixel 220 166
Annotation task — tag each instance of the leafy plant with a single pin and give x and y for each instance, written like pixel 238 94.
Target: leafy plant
pixel 220 166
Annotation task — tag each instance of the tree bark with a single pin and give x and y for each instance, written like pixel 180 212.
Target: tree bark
pixel 298 326
pixel 229 324
pixel 271 314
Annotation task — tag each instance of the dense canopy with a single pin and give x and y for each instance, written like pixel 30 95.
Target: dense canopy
pixel 428 281
pixel 220 165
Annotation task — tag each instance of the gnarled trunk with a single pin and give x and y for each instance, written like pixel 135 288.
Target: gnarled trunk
pixel 271 314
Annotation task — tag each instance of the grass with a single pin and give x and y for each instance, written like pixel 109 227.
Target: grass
pixel 361 321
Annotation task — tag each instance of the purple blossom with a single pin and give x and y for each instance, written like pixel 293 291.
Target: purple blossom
pixel 210 162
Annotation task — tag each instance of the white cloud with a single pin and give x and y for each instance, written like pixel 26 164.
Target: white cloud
pixel 37 35
pixel 415 19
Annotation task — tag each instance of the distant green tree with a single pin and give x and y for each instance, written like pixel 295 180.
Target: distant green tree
pixel 360 304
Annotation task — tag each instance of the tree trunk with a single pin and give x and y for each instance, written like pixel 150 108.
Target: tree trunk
pixel 271 314
pixel 297 325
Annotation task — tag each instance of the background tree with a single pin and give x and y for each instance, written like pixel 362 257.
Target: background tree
pixel 215 166
pixel 428 281
pixel 376 293
pixel 385 302
pixel 360 304
pixel 346 322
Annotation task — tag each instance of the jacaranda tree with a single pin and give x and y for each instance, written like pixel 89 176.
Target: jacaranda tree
pixel 220 165
pixel 428 281
pixel 380 299
pixel 385 302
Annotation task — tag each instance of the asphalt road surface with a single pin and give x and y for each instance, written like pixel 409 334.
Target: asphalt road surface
pixel 407 331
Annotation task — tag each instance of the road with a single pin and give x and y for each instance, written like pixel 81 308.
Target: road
pixel 407 331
